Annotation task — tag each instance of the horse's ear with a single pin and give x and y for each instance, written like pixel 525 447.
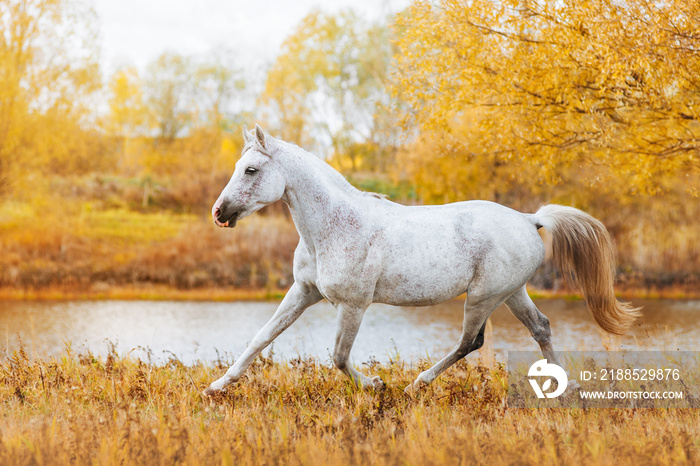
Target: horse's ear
pixel 246 134
pixel 260 136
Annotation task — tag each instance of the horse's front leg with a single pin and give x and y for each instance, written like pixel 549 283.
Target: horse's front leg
pixel 292 306
pixel 349 320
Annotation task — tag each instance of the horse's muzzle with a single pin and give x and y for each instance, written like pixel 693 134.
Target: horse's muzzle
pixel 223 218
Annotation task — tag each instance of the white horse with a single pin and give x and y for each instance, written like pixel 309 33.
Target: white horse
pixel 357 248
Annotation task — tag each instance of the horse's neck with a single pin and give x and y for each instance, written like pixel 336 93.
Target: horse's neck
pixel 314 191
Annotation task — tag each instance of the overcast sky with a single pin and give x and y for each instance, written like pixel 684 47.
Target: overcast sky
pixel 135 32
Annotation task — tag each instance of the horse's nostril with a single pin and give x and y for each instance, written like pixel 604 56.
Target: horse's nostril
pixel 217 212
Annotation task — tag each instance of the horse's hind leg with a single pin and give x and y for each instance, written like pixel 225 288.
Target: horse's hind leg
pixel 537 323
pixel 349 320
pixel 475 315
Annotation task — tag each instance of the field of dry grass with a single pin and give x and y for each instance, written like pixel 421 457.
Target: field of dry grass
pixel 81 409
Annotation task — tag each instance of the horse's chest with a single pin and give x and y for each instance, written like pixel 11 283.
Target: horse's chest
pixel 331 275
pixel 342 278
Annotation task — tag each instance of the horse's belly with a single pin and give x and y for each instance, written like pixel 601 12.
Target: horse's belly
pixel 421 287
pixel 413 299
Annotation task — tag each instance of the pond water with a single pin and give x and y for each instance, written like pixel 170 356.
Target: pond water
pixel 192 331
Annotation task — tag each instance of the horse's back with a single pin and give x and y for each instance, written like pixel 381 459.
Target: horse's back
pixel 434 253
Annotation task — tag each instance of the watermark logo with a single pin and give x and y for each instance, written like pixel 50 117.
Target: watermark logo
pixel 602 379
pixel 542 368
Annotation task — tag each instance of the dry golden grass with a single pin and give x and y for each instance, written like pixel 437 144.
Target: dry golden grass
pixel 84 409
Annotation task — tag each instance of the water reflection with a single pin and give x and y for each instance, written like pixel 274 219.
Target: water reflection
pixel 204 330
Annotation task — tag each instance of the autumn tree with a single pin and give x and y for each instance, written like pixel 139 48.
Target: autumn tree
pixel 602 82
pixel 183 92
pixel 222 105
pixel 220 89
pixel 169 94
pixel 179 124
pixel 48 71
pixel 127 110
pixel 128 116
pixel 324 88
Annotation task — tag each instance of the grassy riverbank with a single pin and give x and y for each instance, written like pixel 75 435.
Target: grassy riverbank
pixel 141 293
pixel 83 409
pixel 79 249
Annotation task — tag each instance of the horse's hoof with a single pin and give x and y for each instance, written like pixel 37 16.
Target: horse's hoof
pixel 209 392
pixel 412 389
pixel 378 383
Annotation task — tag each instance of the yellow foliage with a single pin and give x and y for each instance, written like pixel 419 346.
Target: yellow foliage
pixel 656 234
pixel 449 167
pixel 43 84
pixel 128 112
pixel 614 83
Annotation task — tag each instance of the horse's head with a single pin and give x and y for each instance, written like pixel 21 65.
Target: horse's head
pixel 256 182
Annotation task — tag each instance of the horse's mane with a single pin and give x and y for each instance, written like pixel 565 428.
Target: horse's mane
pixel 331 174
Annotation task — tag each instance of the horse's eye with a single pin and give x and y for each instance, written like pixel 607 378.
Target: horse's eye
pixel 251 171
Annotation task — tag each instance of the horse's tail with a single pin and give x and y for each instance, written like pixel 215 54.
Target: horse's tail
pixel 582 247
